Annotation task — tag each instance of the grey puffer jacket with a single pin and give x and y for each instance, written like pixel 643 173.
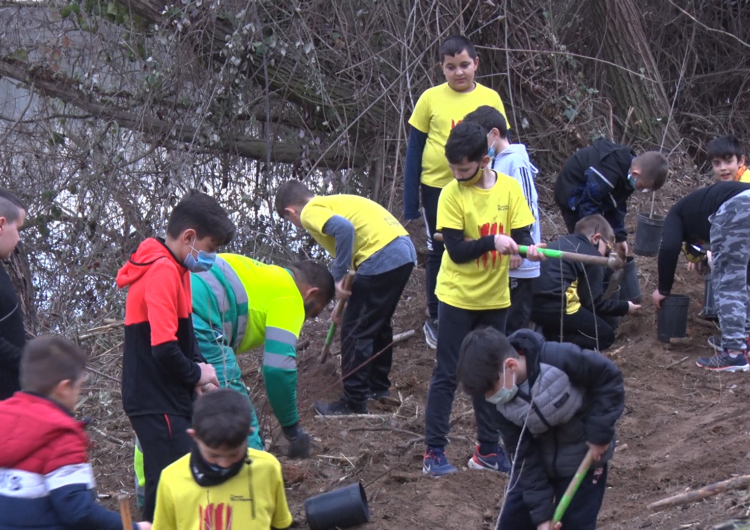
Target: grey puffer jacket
pixel 570 396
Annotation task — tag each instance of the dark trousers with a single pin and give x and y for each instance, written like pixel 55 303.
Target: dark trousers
pixel 519 312
pixel 164 439
pixel 453 326
pixel 581 328
pixel 570 217
pixel 366 331
pixel 580 515
pixel 435 249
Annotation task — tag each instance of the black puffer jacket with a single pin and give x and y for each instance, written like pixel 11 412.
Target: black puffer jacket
pixel 578 396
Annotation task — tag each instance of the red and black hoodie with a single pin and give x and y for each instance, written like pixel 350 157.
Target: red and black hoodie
pixel 160 370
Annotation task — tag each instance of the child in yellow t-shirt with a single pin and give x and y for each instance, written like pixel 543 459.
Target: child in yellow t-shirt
pixel 438 110
pixel 222 484
pixel 363 236
pixel 483 217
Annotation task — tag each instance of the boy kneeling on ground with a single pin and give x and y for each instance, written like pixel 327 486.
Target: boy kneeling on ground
pixel 555 402
pixel 222 483
pixel 568 302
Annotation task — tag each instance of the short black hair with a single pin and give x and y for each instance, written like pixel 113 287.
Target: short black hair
pixel 595 224
pixel 725 147
pixel 489 118
pixel 47 360
pixel 291 193
pixel 466 140
pixel 10 206
pixel 203 214
pixel 454 45
pixel 481 358
pixel 316 275
pixel 221 419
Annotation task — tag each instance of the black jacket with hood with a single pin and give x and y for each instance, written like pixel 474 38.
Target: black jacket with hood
pixel 560 376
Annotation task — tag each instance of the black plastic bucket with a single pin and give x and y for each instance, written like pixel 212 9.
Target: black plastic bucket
pixel 672 317
pixel 340 508
pixel 709 304
pixel 648 234
pixel 630 289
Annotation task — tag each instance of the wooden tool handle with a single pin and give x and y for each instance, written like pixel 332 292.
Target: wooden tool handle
pixel 337 310
pixel 573 487
pixel 127 520
pixel 613 262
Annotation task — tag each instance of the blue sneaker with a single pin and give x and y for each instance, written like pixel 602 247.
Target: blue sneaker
pixel 723 362
pixel 436 464
pixel 494 461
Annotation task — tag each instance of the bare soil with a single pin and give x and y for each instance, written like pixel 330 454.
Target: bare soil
pixel 682 428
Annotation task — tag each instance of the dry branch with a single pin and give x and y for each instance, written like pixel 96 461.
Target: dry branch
pixel 707 491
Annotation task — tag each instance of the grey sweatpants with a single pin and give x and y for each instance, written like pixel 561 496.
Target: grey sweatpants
pixel 730 245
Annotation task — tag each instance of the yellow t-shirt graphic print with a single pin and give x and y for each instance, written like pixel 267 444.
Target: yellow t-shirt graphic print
pixel 493 258
pixel 481 283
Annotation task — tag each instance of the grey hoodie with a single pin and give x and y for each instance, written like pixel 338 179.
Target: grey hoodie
pixel 514 162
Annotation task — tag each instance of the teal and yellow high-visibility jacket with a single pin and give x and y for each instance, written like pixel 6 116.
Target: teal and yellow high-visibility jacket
pixel 240 304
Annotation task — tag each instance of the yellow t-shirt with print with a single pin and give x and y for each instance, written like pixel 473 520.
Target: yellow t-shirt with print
pixel 254 499
pixel 481 283
pixel 374 226
pixel 438 110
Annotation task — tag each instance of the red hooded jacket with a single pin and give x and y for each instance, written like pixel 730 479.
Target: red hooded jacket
pixel 160 370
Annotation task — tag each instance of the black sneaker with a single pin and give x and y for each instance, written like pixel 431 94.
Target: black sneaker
pixel 723 362
pixel 430 329
pixel 376 395
pixel 340 407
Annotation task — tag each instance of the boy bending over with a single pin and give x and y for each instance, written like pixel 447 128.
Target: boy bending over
pixel 222 483
pixel 46 481
pixel 555 402
pixel 361 235
pixel 571 292
pixel 600 178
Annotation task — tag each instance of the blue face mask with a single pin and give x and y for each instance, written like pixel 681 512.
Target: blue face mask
pixel 491 151
pixel 204 262
pixel 504 395
pixel 631 180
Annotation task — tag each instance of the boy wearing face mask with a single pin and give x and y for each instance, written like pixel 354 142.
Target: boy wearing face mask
pixel 162 365
pixel 483 217
pixel 600 178
pixel 567 295
pixel 555 403
pixel 222 484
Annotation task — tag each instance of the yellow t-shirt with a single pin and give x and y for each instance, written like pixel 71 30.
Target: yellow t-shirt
pixel 482 283
pixel 744 175
pixel 374 226
pixel 438 110
pixel 254 499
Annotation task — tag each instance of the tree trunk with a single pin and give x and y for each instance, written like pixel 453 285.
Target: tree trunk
pixel 625 43
pixel 18 269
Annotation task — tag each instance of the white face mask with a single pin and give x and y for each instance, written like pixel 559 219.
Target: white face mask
pixel 504 395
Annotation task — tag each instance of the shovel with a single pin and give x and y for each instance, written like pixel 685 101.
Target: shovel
pixel 573 487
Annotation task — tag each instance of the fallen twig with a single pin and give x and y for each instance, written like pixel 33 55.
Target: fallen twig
pixel 403 336
pixel 696 495
pixel 109 437
pixel 352 416
pixel 102 374
pixel 392 429
pixel 677 362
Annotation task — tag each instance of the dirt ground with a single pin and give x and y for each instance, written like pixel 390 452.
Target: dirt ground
pixel 682 428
